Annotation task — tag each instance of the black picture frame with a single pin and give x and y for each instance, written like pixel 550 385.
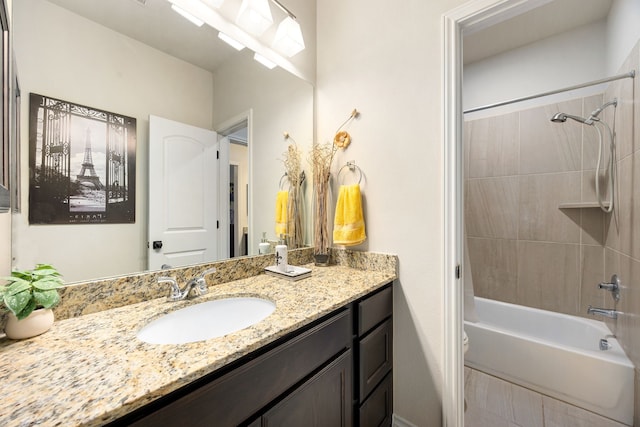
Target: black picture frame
pixel 81 164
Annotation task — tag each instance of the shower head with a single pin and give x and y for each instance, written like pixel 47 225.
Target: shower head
pixel 562 117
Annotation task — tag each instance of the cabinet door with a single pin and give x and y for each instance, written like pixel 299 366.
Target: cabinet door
pixel 323 400
pixel 377 411
pixel 376 354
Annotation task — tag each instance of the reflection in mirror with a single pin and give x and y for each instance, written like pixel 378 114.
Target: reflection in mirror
pixel 62 54
pixel 238 137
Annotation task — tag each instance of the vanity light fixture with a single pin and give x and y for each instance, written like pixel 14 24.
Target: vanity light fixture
pixel 230 41
pixel 206 12
pixel 288 39
pixel 187 15
pixel 264 61
pixel 255 16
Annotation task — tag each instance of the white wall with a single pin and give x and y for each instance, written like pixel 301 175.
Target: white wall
pixel 623 31
pixel 62 55
pixel 556 62
pixel 584 54
pixel 385 60
pixel 5 247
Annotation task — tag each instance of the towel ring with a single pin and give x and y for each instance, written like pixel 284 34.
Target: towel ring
pixel 352 167
pixel 285 176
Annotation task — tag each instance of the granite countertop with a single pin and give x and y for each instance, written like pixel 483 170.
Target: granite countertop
pixel 92 369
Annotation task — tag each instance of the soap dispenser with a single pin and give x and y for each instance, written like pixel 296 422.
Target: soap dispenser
pixel 281 255
pixel 264 246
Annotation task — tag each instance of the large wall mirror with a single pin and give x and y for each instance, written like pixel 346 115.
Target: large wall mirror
pixel 138 58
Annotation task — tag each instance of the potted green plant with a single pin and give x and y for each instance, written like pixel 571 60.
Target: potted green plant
pixel 29 295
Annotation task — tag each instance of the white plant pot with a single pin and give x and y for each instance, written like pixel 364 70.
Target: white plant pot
pixel 38 322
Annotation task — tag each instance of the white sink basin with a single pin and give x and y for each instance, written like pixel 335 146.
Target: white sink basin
pixel 206 320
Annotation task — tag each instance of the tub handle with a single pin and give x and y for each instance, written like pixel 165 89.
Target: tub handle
pixel 613 286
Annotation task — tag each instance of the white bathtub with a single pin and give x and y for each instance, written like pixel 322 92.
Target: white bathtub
pixel 553 354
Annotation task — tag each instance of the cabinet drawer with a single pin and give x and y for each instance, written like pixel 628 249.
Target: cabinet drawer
pixel 376 354
pixel 230 399
pixel 377 411
pixel 374 310
pixel 323 400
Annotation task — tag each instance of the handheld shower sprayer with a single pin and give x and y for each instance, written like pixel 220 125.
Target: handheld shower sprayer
pixel 593 117
pixel 562 117
pixel 592 120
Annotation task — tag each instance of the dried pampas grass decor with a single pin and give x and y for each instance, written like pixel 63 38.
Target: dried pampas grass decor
pixel 292 160
pixel 321 159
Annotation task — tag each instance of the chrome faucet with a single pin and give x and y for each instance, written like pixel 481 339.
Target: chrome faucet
pixel 198 283
pixel 611 313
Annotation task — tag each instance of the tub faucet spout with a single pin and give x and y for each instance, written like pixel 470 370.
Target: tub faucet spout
pixel 613 314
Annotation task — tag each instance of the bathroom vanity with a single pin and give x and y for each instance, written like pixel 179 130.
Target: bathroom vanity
pixel 330 371
pixel 325 353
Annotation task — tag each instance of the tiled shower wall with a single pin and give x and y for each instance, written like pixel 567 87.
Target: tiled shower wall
pixel 523 246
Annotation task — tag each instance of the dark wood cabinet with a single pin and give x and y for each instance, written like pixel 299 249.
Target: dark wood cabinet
pixel 334 372
pixel 374 359
pixel 324 400
pixel 377 410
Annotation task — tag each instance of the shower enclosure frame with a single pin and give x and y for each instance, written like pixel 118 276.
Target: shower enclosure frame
pixel 471 16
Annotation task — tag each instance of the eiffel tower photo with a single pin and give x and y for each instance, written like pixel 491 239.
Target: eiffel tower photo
pixel 72 185
pixel 87 175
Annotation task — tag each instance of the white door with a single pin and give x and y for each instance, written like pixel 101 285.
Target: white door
pixel 183 194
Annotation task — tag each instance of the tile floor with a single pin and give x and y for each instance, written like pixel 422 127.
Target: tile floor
pixel 492 402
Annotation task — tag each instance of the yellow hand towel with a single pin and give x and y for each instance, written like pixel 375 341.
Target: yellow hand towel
pixel 348 228
pixel 281 212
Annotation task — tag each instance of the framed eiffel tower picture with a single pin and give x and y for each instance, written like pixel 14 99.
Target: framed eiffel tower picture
pixel 81 162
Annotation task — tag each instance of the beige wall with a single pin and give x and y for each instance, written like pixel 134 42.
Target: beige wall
pixel 384 59
pixel 5 248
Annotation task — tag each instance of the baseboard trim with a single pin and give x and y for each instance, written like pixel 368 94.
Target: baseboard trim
pixel 397 421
